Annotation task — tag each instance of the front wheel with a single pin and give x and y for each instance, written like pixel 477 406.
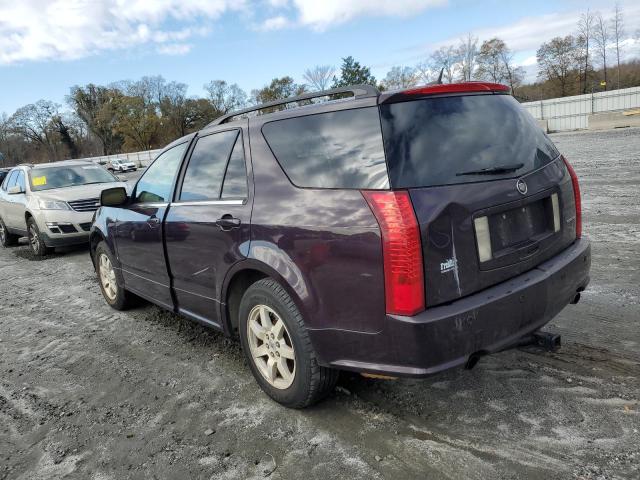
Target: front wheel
pixel 111 282
pixel 277 346
pixel 38 247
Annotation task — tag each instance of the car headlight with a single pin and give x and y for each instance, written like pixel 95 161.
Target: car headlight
pixel 53 205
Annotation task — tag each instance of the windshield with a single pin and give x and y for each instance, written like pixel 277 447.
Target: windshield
pixel 461 139
pixel 68 176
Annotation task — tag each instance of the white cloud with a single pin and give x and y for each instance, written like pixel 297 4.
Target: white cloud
pixel 174 48
pixel 321 15
pixel 275 23
pixel 528 33
pixel 69 29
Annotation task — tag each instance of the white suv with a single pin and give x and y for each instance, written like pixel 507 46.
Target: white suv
pixel 52 204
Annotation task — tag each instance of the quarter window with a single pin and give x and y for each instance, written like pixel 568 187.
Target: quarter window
pixel 206 168
pixel 235 179
pixel 155 185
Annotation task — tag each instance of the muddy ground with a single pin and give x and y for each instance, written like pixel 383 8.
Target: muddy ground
pixel 88 392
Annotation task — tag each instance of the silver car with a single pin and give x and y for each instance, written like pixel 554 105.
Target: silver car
pixel 119 165
pixel 51 204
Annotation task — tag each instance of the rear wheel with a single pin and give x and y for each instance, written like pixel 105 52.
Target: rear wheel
pixel 277 346
pixel 111 282
pixel 7 239
pixel 38 247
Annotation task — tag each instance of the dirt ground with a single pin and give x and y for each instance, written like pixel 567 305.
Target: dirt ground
pixel 88 392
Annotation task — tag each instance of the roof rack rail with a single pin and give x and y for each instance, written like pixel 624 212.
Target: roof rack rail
pixel 359 91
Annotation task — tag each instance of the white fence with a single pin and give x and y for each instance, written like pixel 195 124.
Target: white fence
pixel 141 159
pixel 572 113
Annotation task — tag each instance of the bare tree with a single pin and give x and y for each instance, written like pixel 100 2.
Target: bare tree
pixel 467 55
pixel 585 34
pixel 225 97
pixel 602 38
pixel 319 77
pixel 513 75
pixel 490 60
pixel 425 73
pixel 556 62
pixel 400 77
pixel 34 122
pixel 446 59
pixel 617 31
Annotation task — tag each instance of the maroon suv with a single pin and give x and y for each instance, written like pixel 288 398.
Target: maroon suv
pixel 397 234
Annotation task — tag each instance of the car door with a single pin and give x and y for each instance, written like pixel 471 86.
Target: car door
pixel 139 229
pixel 208 225
pixel 17 205
pixel 4 197
pixel 13 204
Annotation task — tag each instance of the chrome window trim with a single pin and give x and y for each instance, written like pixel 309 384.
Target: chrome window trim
pixel 152 204
pixel 208 202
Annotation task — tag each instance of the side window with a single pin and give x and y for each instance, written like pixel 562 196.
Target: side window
pixel 20 181
pixel 11 180
pixel 235 180
pixel 5 183
pixel 205 171
pixel 155 185
pixel 341 149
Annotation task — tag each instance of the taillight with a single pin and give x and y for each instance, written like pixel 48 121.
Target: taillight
pixel 401 249
pixel 576 195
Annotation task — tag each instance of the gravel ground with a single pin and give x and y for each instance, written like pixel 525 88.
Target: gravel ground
pixel 88 392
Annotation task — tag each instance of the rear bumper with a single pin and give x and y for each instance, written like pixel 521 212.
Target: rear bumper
pixel 446 336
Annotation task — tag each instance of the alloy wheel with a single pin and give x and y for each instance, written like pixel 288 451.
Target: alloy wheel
pixel 108 277
pixel 34 241
pixel 271 347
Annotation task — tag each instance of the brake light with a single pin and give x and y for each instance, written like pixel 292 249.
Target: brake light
pixel 457 88
pixel 401 250
pixel 576 195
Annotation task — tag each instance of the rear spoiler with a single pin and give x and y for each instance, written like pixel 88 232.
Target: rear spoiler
pixel 443 89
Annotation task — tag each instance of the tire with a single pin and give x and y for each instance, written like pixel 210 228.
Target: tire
pixel 7 239
pixel 37 245
pixel 111 282
pixel 310 382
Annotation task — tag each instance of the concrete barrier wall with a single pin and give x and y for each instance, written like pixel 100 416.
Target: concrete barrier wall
pixel 605 121
pixel 572 113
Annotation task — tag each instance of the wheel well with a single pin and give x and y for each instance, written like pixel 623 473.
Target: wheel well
pixel 239 284
pixel 27 216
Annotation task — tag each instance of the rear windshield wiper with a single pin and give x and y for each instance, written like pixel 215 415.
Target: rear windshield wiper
pixel 497 170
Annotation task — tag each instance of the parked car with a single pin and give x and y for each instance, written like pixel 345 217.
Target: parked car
pixel 122 166
pixel 52 204
pixel 394 234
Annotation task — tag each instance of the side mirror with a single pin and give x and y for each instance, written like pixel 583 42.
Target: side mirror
pixel 113 197
pixel 15 190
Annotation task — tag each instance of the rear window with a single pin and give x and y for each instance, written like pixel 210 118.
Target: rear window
pixel 341 149
pixel 444 140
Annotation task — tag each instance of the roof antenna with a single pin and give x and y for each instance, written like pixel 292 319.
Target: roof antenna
pixel 439 80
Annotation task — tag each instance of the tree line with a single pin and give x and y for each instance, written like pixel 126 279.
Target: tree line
pixel 129 116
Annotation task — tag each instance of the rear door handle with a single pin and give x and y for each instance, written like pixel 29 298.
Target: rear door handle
pixel 153 221
pixel 227 222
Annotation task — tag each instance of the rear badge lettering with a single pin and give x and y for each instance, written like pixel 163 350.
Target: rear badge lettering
pixel 448 266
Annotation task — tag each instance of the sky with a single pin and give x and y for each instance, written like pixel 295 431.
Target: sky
pixel 46 47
